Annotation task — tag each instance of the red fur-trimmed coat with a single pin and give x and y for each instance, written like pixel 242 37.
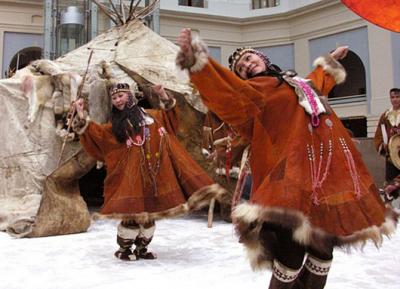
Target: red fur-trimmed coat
pixel 269 115
pixel 181 184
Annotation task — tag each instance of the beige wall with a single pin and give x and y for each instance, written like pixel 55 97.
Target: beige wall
pixel 20 16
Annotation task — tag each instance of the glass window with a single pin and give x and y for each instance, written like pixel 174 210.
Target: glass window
pixel 257 4
pixel 215 53
pixel 191 3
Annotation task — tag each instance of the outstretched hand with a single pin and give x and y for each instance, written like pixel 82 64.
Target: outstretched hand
pixel 185 43
pixel 340 52
pixel 160 91
pixel 79 107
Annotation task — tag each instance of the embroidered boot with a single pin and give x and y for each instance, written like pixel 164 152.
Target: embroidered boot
pixel 314 273
pixel 144 238
pixel 125 238
pixel 283 277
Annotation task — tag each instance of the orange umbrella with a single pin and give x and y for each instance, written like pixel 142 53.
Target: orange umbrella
pixel 385 14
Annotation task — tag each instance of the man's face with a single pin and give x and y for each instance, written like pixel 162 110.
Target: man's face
pixel 120 99
pixel 395 100
pixel 249 65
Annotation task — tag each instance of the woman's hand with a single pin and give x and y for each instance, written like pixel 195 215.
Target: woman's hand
pixel 79 107
pixel 185 43
pixel 340 52
pixel 160 91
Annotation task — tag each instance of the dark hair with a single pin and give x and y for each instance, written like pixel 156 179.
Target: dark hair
pixel 395 90
pixel 126 122
pixel 275 71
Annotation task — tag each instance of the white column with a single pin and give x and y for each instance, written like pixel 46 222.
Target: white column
pixel 381 68
pixel 302 57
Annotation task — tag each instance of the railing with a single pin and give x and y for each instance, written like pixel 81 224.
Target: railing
pixel 348 99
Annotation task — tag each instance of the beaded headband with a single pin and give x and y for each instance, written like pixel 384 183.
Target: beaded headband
pixel 119 87
pixel 239 52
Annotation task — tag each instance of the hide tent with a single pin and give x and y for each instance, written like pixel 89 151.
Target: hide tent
pixel 39 194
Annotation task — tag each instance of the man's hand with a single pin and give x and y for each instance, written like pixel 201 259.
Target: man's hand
pixel 340 52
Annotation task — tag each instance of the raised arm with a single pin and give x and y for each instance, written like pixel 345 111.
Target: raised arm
pixel 221 90
pixel 328 71
pixel 91 133
pixel 168 115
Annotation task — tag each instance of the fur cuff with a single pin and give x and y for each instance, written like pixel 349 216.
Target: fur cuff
pixel 79 125
pixel 167 104
pixel 200 52
pixel 332 67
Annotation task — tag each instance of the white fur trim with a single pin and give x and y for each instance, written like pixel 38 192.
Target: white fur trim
pixel 200 51
pixel 302 233
pixel 305 103
pixel 247 212
pixel 332 67
pixel 393 116
pixel 250 217
pixel 254 255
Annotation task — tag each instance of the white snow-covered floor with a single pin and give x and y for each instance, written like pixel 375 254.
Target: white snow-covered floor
pixel 190 255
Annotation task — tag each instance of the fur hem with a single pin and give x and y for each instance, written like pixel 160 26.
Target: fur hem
pixel 248 219
pixel 200 52
pixel 332 67
pixel 200 199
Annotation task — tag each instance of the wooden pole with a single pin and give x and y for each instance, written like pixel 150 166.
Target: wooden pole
pixel 211 213
pixel 72 111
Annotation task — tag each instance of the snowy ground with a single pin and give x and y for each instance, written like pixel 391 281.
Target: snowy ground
pixel 189 256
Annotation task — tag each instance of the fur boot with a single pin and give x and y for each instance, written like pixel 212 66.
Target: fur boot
pixel 143 240
pixel 125 238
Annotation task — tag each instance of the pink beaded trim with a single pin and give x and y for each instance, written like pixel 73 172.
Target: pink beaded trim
pixel 352 168
pixel 317 177
pixel 311 100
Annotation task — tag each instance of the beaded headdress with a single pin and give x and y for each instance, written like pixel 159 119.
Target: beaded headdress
pixel 123 87
pixel 239 52
pixel 118 87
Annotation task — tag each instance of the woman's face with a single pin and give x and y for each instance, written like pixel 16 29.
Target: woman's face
pixel 120 99
pixel 249 65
